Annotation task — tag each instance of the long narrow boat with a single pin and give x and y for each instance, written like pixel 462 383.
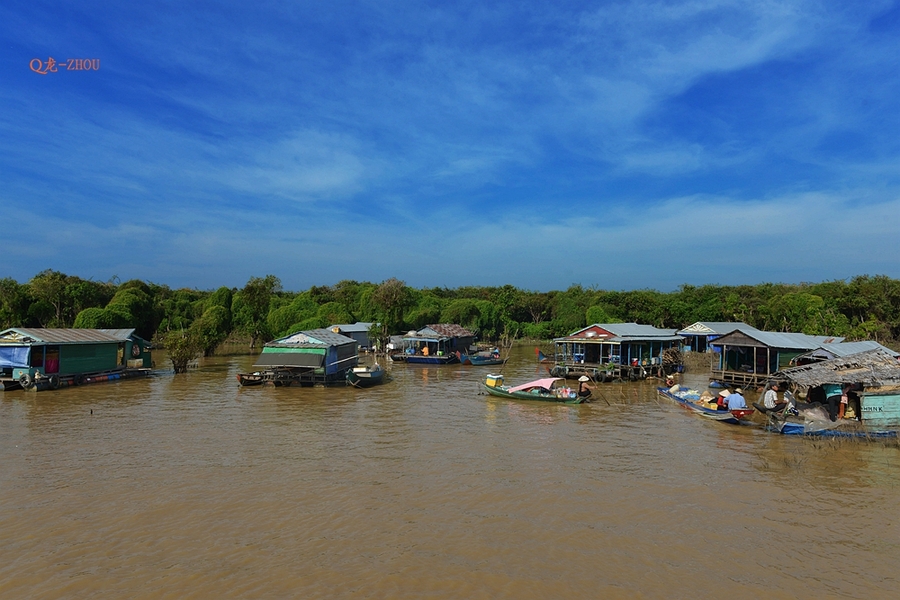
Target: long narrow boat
pixel 437 359
pixel 690 399
pixel 363 377
pixel 478 360
pixel 481 360
pixel 798 425
pixel 549 389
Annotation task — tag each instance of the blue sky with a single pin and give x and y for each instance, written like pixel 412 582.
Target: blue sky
pixel 617 145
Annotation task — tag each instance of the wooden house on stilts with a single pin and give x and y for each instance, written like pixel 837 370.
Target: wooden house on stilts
pixel 750 357
pixel 606 351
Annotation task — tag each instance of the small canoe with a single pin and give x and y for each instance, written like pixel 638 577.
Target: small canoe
pixel 481 360
pixel 549 389
pixel 363 377
pixel 691 400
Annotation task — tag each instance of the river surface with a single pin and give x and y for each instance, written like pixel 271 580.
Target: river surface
pixel 189 486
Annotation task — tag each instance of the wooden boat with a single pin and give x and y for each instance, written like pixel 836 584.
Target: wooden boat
pixel 248 379
pixel 796 424
pixel 437 359
pixel 690 399
pixel 363 377
pixel 549 389
pixel 482 359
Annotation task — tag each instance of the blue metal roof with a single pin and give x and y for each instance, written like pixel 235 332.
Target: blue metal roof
pixel 313 338
pixel 841 349
pixel 787 341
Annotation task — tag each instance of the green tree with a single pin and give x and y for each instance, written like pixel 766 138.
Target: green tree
pixel 211 329
pixel 463 311
pixel 182 347
pixel 251 306
pixel 49 289
pixel 598 314
pixel 391 298
pixel 14 302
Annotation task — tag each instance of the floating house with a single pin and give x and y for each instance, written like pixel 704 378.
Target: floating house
pixel 39 359
pixel 606 351
pixel 359 331
pixel 434 344
pixel 699 335
pixel 873 377
pixel 840 350
pixel 317 356
pixel 750 357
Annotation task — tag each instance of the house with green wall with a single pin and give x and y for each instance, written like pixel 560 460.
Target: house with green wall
pixel 39 358
pixel 310 357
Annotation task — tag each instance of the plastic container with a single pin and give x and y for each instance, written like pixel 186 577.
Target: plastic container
pixel 494 380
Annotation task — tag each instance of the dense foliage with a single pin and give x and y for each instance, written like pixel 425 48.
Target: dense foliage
pixel 865 307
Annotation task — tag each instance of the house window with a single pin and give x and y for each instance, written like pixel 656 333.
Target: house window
pixel 51 360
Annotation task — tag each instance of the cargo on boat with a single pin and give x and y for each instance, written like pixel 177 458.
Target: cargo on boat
pixel 40 359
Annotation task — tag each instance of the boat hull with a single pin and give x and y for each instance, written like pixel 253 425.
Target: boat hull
pixel 250 379
pixel 732 417
pixel 481 361
pixel 502 392
pixel 364 379
pixel 418 359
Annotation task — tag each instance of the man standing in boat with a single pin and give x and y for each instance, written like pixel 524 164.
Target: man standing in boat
pixel 584 388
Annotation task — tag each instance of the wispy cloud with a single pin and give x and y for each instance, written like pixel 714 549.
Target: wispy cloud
pixel 610 146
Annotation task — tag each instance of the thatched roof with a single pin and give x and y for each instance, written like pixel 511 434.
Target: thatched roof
pixel 874 368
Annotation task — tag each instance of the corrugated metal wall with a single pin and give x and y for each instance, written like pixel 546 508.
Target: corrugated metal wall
pixel 87 358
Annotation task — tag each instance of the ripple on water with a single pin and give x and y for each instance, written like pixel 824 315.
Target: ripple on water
pixel 190 485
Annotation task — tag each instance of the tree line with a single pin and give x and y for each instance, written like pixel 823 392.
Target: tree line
pixel 863 307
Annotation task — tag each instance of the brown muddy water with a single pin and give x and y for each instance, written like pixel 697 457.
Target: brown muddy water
pixel 191 487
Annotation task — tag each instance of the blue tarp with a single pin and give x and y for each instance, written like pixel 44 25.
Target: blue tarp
pixel 14 356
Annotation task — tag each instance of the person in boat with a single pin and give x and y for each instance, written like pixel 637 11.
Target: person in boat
pixel 584 388
pixel 722 400
pixel 736 399
pixel 771 401
pixel 425 350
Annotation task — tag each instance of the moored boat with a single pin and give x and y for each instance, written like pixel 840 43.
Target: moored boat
pixel 548 389
pixel 365 376
pixel 691 399
pixel 482 359
pixel 249 379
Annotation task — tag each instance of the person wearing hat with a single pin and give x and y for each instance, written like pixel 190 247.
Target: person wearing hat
pixel 736 399
pixel 721 401
pixel 584 389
